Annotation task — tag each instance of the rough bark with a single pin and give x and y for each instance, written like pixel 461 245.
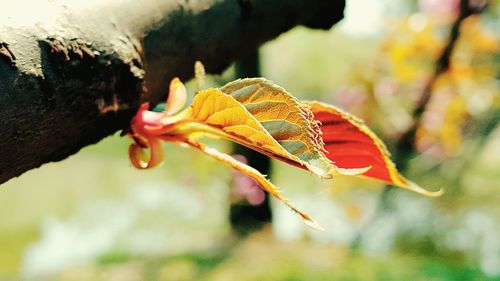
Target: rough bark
pixel 73 72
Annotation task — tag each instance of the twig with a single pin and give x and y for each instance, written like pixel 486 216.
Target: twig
pixel 405 144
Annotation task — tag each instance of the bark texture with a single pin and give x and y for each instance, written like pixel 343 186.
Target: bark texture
pixel 75 71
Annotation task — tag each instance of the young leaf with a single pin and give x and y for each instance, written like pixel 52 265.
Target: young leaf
pixel 351 144
pixel 288 121
pixel 177 96
pixel 199 75
pixel 219 114
pixel 264 117
pixel 211 113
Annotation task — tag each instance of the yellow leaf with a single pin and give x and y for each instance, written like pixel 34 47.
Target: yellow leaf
pixel 264 117
pixel 290 122
pixel 220 114
pixel 215 113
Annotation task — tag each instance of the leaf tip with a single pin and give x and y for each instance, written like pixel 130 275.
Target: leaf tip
pixel 311 223
pixel 420 190
pixel 199 74
pixel 352 171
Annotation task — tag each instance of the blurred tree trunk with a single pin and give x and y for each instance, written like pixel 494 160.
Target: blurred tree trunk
pixel 246 218
pixel 73 72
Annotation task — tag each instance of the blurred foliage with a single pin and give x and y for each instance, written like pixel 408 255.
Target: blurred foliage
pixel 261 257
pixel 95 218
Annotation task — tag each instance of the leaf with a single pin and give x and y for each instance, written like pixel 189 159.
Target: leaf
pixel 351 144
pixel 228 118
pixel 177 96
pixel 290 122
pixel 220 114
pixel 199 75
pixel 138 157
pixel 143 140
pixel 264 117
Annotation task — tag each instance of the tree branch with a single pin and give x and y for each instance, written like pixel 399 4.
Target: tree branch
pixel 73 72
pixel 405 146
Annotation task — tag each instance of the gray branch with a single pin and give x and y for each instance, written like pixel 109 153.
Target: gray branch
pixel 73 72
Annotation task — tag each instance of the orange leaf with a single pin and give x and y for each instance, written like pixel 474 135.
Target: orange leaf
pixel 177 96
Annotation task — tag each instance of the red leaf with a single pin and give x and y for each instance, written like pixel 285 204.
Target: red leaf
pixel 351 144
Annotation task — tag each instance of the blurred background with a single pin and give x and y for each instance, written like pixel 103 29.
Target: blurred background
pixel 94 217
